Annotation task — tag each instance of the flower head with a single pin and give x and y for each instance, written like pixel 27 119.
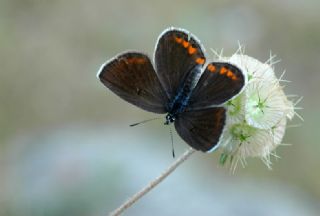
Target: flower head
pixel 257 117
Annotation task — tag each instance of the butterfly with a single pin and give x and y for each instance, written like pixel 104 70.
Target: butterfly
pixel 179 83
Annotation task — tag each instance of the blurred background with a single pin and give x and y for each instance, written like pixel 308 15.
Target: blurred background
pixel 65 144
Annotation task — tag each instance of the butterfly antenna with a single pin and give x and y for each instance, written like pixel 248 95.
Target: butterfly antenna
pixel 173 154
pixel 142 122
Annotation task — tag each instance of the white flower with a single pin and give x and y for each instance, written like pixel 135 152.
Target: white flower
pixel 265 104
pixel 256 118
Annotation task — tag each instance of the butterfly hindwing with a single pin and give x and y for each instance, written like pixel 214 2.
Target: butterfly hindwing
pixel 218 84
pixel 201 129
pixel 177 53
pixel 132 77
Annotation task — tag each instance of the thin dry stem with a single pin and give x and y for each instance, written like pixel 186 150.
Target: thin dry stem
pixel 153 183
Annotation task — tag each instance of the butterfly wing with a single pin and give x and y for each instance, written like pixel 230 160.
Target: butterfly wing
pixel 132 77
pixel 177 54
pixel 201 129
pixel 218 84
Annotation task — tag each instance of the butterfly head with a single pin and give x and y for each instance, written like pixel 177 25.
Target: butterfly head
pixel 170 118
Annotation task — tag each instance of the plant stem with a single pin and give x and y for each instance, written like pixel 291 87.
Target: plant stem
pixel 153 183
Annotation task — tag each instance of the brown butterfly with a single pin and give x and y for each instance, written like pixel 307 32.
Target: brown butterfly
pixel 180 83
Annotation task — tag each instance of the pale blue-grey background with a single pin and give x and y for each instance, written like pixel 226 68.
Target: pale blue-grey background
pixel 65 144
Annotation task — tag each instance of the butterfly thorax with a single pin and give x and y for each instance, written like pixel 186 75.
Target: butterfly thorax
pixel 181 100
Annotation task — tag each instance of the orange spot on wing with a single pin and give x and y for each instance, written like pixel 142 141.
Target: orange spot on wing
pixel 178 40
pixel 223 70
pixel 191 50
pixel 185 44
pixel 230 74
pixel 129 61
pixel 140 60
pixel 200 60
pixel 234 77
pixel 211 68
pixel 136 61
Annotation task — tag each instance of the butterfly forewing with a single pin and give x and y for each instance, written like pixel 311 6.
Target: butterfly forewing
pixel 218 84
pixel 201 129
pixel 132 77
pixel 176 54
